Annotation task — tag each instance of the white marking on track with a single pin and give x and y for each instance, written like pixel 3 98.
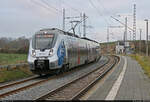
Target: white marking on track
pixel 113 92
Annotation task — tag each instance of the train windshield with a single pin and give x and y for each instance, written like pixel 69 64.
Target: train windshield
pixel 43 41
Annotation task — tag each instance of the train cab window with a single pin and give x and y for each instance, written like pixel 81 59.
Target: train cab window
pixel 43 41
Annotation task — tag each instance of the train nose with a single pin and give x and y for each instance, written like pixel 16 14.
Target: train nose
pixel 41 64
pixel 42 53
pixel 42 50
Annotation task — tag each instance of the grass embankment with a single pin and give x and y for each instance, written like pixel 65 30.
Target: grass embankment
pixel 144 62
pixel 15 73
pixel 6 59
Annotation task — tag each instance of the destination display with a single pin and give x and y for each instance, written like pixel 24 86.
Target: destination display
pixel 44 35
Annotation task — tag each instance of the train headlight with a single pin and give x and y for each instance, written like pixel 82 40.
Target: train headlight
pixel 33 53
pixel 51 52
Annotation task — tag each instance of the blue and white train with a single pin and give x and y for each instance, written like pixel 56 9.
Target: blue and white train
pixel 53 50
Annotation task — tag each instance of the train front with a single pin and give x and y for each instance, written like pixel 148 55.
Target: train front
pixel 42 58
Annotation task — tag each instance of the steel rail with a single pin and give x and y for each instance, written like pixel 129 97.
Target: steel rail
pixel 83 91
pixel 17 82
pixel 76 96
pixel 33 84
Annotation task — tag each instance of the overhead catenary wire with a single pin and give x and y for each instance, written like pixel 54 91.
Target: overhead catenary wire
pixel 78 23
pixel 121 23
pixel 74 9
pixel 89 26
pixel 59 11
pixel 46 5
pixel 105 9
pixel 50 6
pixel 99 13
pixel 43 6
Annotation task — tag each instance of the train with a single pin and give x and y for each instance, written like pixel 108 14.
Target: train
pixel 52 50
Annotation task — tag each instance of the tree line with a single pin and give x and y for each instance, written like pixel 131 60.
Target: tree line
pixel 18 45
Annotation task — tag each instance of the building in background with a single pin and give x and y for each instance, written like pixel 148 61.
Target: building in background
pixel 123 47
pixel 120 47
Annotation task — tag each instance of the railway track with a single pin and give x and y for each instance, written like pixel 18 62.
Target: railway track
pixel 10 84
pixel 76 88
pixel 15 87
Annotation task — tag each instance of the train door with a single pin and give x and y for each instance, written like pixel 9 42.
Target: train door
pixel 78 51
pixel 70 47
pixel 87 52
pixel 73 58
pixel 66 52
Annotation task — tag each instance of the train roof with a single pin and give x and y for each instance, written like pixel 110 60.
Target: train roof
pixel 67 33
pixel 89 39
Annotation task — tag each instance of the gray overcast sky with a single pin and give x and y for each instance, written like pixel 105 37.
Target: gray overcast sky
pixel 25 17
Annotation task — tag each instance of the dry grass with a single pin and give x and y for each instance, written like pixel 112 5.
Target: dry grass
pixel 144 62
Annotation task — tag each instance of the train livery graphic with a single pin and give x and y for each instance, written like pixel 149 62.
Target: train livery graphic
pixel 54 50
pixel 61 53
